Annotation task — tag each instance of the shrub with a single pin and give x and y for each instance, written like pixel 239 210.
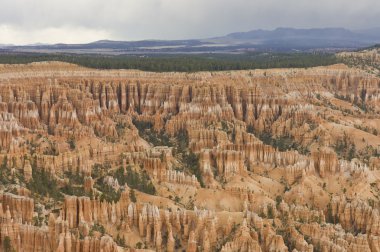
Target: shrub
pixel 278 200
pixel 139 245
pixel 97 228
pixel 132 195
pixel 270 212
pixel 72 143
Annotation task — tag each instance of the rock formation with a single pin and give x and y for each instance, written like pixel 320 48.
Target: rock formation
pixel 122 160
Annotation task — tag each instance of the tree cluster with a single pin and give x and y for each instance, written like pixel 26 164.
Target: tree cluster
pixel 135 180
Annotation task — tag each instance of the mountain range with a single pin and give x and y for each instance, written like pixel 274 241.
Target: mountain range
pixel 280 39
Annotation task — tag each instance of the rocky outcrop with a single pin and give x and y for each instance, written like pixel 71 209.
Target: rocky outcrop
pixel 10 132
pixel 27 170
pixel 356 215
pixel 243 241
pixel 325 162
pixel 20 208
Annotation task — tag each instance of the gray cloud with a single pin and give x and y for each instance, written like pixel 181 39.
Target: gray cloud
pixel 51 21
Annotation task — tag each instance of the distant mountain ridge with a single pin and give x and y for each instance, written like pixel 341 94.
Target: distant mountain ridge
pixel 280 39
pixel 312 31
pixel 291 32
pixel 315 37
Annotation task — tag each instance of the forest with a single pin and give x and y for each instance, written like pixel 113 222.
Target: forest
pixel 181 62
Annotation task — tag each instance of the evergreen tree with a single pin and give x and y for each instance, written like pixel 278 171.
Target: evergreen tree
pixel 7 245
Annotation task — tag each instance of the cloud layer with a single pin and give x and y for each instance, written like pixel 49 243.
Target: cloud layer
pixel 77 21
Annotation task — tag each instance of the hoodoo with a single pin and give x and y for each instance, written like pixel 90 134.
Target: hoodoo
pixel 126 160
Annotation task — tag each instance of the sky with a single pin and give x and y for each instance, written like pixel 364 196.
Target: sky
pixel 81 21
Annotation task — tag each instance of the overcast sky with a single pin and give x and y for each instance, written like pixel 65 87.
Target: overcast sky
pixel 78 21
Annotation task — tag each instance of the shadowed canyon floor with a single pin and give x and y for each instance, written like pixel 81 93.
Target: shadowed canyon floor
pixel 122 160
